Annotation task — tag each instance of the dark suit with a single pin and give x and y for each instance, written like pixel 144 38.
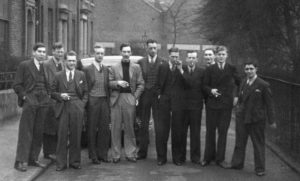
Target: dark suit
pixel 148 102
pixel 255 107
pixel 51 123
pixel 218 108
pixel 193 110
pixel 98 115
pixel 170 86
pixel 31 83
pixel 123 108
pixel 70 115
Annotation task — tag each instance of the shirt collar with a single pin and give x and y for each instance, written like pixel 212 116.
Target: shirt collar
pixel 250 81
pixel 36 62
pixel 191 68
pixel 154 58
pixel 96 64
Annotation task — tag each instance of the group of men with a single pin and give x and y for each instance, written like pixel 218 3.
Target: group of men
pixel 55 96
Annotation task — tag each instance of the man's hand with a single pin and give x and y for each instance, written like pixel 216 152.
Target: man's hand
pixel 215 92
pixel 273 125
pixel 235 101
pixel 123 83
pixel 179 66
pixel 65 96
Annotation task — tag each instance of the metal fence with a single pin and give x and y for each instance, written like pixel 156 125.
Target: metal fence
pixel 287 108
pixel 6 80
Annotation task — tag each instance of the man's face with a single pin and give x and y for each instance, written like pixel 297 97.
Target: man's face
pixel 174 56
pixel 40 54
pixel 126 53
pixel 152 49
pixel 221 56
pixel 191 59
pixel 58 53
pixel 71 62
pixel 99 54
pixel 209 57
pixel 250 71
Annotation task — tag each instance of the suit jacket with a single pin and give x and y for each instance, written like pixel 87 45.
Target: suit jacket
pixel 144 63
pixel 90 77
pixel 60 86
pixel 178 86
pixel 25 80
pixel 50 70
pixel 136 81
pixel 194 84
pixel 226 81
pixel 255 102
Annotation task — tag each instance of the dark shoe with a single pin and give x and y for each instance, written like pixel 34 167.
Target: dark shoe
pixel 131 159
pixel 75 166
pixel 141 157
pixel 260 173
pixel 96 161
pixel 20 166
pixel 59 169
pixel 178 163
pixel 236 167
pixel 160 163
pixel 198 162
pixel 223 165
pixel 204 163
pixel 104 160
pixel 50 156
pixel 36 164
pixel 116 160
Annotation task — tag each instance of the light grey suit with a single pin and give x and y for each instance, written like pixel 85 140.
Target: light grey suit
pixel 123 108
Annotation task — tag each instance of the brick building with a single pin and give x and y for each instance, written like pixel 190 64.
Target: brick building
pixel 24 22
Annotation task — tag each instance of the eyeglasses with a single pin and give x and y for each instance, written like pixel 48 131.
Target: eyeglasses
pixel 249 68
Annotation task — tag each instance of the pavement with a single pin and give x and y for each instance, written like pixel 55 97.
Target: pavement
pixel 8 139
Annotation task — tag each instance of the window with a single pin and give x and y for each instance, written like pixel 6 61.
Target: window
pixel 3 35
pixel 50 29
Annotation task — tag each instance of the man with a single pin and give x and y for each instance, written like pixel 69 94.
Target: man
pixel 32 91
pixel 193 76
pixel 170 89
pixel 255 107
pixel 69 89
pixel 148 100
pixel 127 85
pixel 51 67
pixel 219 82
pixel 97 76
pixel 209 56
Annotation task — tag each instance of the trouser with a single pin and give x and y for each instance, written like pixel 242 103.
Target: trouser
pixel 69 134
pixel 148 101
pixel 98 127
pixel 50 132
pixel 256 131
pixel 216 119
pixel 123 116
pixel 192 121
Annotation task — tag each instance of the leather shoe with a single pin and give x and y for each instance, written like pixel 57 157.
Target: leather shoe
pixel 178 163
pixel 59 169
pixel 131 159
pixel 104 160
pixel 140 157
pixel 50 157
pixel 223 165
pixel 96 161
pixel 204 163
pixel 116 160
pixel 36 164
pixel 20 166
pixel 196 162
pixel 160 163
pixel 260 173
pixel 75 166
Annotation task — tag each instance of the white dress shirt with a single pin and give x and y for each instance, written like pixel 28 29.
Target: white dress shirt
pixel 68 72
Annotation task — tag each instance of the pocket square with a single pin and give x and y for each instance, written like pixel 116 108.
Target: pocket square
pixel 257 90
pixel 80 82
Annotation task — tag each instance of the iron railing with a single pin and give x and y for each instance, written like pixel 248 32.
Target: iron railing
pixel 6 80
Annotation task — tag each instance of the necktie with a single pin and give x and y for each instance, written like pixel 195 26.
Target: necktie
pixel 59 67
pixel 70 76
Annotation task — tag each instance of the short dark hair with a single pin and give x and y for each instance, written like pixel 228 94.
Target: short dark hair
pixel 212 49
pixel 251 62
pixel 191 51
pixel 173 49
pixel 38 45
pixel 221 48
pixel 57 45
pixel 124 45
pixel 150 41
pixel 70 53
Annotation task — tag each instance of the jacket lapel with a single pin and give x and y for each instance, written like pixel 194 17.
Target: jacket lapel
pixel 251 88
pixel 32 68
pixel 64 78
